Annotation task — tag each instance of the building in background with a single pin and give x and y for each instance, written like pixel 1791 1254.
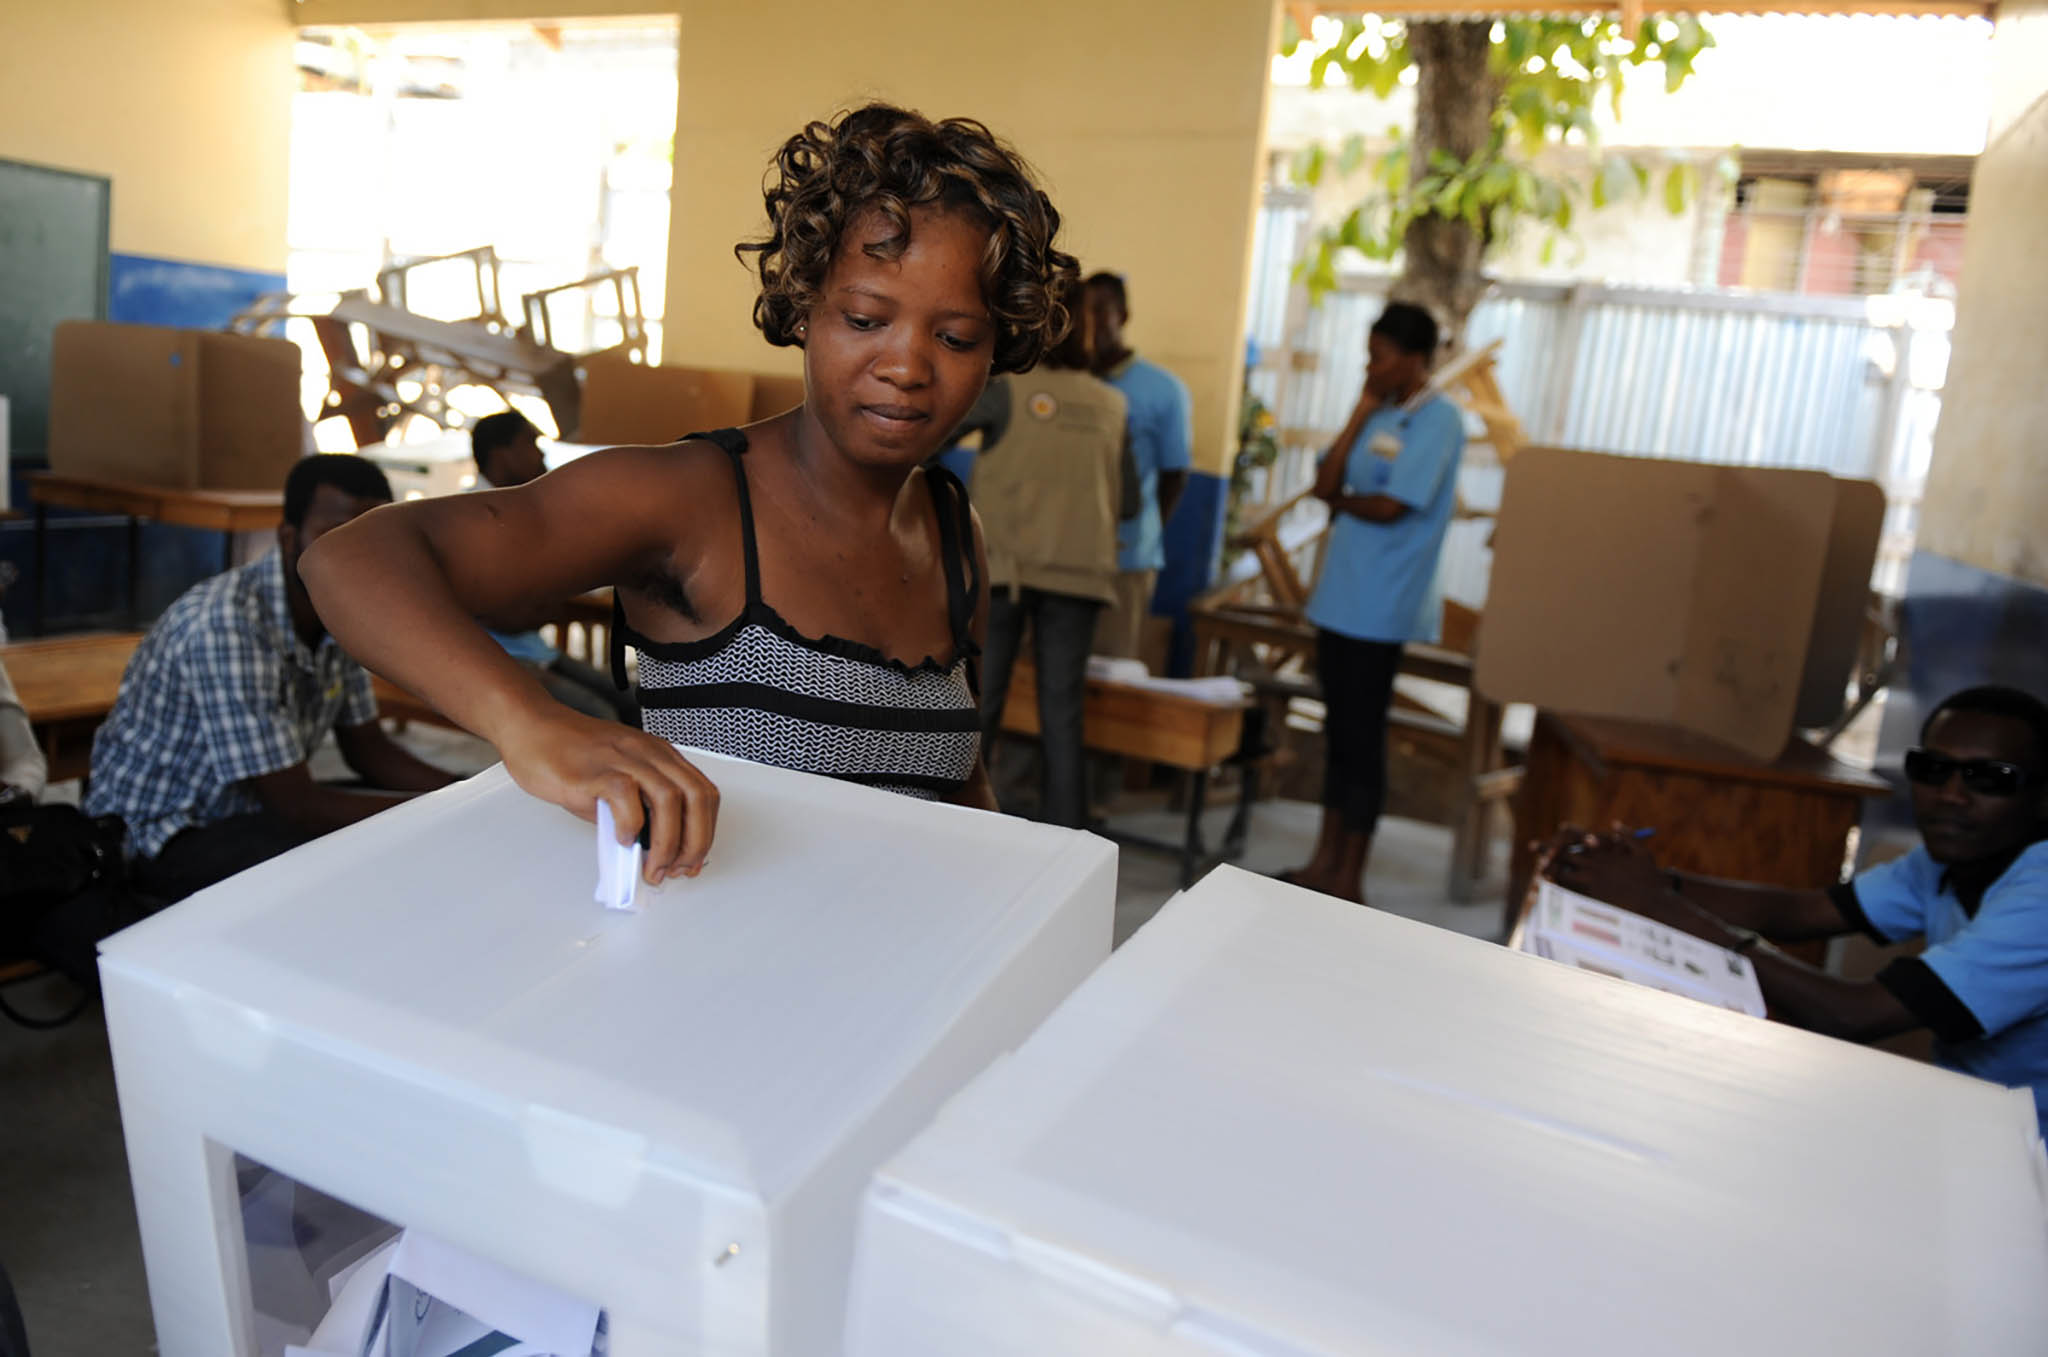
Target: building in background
pixel 1796 312
pixel 1849 138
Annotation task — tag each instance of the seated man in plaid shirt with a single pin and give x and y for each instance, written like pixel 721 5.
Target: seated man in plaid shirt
pixel 204 755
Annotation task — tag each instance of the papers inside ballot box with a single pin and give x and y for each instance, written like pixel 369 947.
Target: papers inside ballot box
pixel 1580 931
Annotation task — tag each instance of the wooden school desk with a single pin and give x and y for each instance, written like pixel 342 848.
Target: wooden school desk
pixel 1716 811
pixel 223 511
pixel 1184 731
pixel 67 685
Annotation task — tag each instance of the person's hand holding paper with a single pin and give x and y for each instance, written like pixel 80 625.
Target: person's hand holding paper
pixel 578 762
pixel 1616 867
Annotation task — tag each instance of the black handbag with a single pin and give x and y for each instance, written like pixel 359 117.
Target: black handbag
pixel 57 864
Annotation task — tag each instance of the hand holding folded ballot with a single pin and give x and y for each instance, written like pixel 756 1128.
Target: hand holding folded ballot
pixel 579 762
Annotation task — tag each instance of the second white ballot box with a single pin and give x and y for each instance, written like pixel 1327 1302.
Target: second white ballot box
pixel 1275 1123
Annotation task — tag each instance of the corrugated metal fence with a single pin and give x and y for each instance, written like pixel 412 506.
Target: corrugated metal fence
pixel 1848 385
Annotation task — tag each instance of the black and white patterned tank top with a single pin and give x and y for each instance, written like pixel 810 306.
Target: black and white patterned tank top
pixel 762 691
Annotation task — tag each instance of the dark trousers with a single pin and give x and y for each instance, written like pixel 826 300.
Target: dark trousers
pixel 197 858
pixel 1062 634
pixel 1358 687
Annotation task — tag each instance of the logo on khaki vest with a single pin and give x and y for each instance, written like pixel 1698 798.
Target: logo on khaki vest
pixel 1043 405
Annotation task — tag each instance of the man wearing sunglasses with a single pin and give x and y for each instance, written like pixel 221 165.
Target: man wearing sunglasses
pixel 1976 890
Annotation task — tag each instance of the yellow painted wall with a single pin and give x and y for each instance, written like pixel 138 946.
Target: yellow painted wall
pixel 1145 120
pixel 186 105
pixel 1987 493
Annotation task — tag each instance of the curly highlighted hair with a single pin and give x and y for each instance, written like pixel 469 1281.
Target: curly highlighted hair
pixel 890 160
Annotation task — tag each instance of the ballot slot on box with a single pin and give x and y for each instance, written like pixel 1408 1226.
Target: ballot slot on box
pixel 666 1114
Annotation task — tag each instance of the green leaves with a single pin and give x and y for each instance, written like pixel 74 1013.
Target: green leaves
pixel 1291 36
pixel 1392 172
pixel 1351 155
pixel 1369 52
pixel 1681 182
pixel 1309 163
pixel 1553 71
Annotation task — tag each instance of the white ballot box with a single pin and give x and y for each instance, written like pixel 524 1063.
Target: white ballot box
pixel 669 1113
pixel 1274 1123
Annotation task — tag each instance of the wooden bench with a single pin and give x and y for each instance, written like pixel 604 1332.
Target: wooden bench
pixel 1187 732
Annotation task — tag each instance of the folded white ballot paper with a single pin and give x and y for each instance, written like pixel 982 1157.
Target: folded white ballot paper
pixel 618 865
pixel 1580 931
pixel 419 1297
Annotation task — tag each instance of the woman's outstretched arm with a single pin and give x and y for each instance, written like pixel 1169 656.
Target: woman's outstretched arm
pixel 401 588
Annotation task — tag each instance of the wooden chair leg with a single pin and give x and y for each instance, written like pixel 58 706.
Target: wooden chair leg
pixel 1472 818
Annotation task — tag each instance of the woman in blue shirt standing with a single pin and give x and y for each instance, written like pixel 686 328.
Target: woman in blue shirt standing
pixel 1391 481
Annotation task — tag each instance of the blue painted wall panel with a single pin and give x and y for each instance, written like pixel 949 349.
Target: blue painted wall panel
pixel 142 290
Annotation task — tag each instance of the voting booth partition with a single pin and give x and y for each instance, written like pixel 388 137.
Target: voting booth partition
pixel 668 1114
pixel 1277 1123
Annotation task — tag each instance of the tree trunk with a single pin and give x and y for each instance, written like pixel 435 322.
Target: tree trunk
pixel 1456 92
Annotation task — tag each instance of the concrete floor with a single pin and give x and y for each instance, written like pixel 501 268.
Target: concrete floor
pixel 67 1221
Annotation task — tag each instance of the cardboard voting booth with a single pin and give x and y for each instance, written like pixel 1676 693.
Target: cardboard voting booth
pixel 184 409
pixel 1724 600
pixel 1275 1123
pixel 631 403
pixel 668 1114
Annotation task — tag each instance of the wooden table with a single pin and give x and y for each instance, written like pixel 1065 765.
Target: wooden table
pixel 223 511
pixel 68 685
pixel 1192 734
pixel 1716 811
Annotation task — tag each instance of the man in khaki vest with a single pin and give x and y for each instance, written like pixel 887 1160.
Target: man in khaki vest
pixel 1054 477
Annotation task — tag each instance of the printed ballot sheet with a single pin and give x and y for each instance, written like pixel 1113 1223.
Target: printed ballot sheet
pixel 1580 931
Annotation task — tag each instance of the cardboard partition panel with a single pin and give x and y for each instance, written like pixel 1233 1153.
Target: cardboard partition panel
pixel 1674 592
pixel 632 403
pixel 1838 622
pixel 187 409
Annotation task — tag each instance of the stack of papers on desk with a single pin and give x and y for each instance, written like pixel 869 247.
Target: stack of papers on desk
pixel 1221 690
pixel 1580 931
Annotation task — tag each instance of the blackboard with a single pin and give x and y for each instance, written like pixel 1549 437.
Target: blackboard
pixel 53 267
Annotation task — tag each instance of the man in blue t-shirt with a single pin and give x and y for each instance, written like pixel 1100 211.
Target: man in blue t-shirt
pixel 1162 444
pixel 1391 481
pixel 1976 890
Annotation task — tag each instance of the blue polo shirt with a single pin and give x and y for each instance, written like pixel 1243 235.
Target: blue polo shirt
pixel 1162 439
pixel 1982 984
pixel 1379 579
